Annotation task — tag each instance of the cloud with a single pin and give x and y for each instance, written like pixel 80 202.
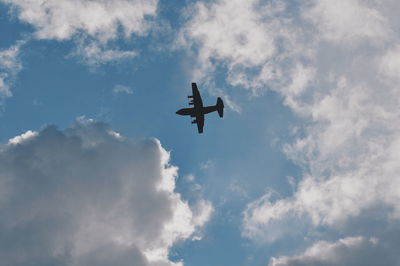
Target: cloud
pixel 122 89
pixel 257 44
pixel 88 196
pixel 208 164
pixel 94 53
pixel 62 20
pixel 23 137
pixel 390 63
pixel 229 31
pixel 348 21
pixel 10 66
pixel 92 24
pixel 335 65
pixel 346 251
pixel 348 148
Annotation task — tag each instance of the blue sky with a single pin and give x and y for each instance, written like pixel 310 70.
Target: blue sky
pixel 280 180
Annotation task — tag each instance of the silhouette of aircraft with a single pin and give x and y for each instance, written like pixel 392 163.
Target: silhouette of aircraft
pixel 198 111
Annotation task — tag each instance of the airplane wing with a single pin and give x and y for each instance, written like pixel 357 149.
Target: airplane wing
pixel 200 123
pixel 198 103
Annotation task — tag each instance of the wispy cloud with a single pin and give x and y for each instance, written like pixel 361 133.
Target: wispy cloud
pixel 94 53
pixel 10 66
pixel 92 24
pixel 118 89
pixel 62 19
pixel 356 250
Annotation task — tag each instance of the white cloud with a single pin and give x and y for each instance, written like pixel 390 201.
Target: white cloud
pixel 350 152
pixel 335 65
pixel 256 42
pixel 208 164
pixel 354 250
pixel 390 63
pixel 190 178
pixel 122 89
pixel 349 147
pixel 243 37
pixel 24 137
pixel 92 24
pixel 94 53
pixel 348 21
pixel 231 32
pixel 10 66
pixel 63 19
pixel 84 196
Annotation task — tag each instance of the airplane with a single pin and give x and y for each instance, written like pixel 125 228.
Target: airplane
pixel 198 111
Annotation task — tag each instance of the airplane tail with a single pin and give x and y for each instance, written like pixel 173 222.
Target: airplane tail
pixel 220 107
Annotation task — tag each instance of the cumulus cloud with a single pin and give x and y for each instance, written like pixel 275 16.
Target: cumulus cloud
pixel 335 65
pixel 10 66
pixel 93 24
pixel 88 196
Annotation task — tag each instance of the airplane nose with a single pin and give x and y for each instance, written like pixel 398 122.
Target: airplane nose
pixel 183 111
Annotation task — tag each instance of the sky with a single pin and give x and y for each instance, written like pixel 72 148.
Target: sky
pixel 97 169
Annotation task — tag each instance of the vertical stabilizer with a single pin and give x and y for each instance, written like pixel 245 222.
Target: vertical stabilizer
pixel 220 107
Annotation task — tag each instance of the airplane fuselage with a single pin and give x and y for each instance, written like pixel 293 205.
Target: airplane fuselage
pixel 194 112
